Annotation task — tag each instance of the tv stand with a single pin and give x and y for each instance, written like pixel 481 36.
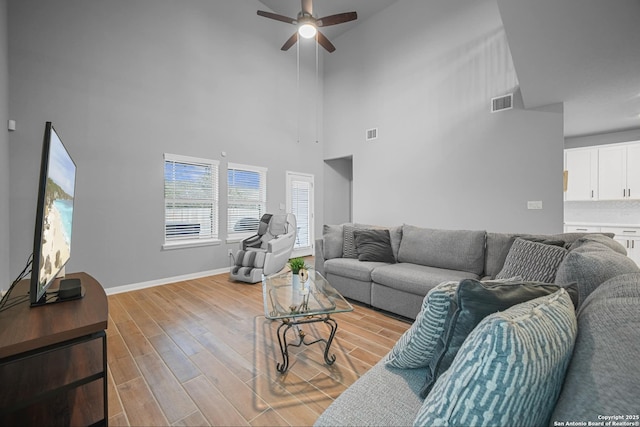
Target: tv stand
pixel 53 359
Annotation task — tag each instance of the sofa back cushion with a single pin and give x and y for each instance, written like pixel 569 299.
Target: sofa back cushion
pixel 590 265
pixel 604 374
pixel 332 241
pixel 498 245
pixel 461 250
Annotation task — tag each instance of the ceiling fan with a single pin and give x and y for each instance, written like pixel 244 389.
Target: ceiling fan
pixel 308 25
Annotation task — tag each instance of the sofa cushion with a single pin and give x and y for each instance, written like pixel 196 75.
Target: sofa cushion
pixel 474 301
pixel 510 369
pixel 532 261
pixel 604 374
pixel 586 242
pixel 591 264
pixel 449 249
pixel 384 396
pixel 415 347
pixel 352 268
pixel 414 278
pixel 332 236
pixel 374 245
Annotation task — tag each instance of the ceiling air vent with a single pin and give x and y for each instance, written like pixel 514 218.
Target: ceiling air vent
pixel 501 103
pixel 372 134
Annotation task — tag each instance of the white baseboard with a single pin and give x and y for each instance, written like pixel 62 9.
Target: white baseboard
pixel 165 281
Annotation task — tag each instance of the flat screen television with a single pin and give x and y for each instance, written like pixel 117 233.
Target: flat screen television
pixel 54 216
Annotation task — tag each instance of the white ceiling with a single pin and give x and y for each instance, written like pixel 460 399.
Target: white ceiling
pixel 584 53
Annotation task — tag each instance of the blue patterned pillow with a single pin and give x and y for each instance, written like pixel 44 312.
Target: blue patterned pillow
pixel 415 347
pixel 509 370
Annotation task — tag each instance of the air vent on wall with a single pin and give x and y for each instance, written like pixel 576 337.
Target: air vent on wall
pixel 501 103
pixel 372 134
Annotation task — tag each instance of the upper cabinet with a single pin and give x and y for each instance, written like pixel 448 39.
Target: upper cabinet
pixel 603 172
pixel 581 166
pixel 619 172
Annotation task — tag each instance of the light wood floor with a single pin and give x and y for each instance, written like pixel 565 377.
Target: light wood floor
pixel 200 352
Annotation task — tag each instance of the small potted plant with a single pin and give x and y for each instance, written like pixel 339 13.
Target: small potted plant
pixel 297 264
pixel 298 267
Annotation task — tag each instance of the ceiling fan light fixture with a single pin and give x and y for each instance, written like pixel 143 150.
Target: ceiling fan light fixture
pixel 307 30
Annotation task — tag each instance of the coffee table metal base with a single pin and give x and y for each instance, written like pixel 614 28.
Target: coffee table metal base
pixel 294 323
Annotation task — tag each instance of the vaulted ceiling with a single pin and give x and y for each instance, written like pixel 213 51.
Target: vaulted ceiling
pixel 583 53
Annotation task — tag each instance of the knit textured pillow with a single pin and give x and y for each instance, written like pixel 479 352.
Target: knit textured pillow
pixel 415 347
pixel 532 261
pixel 349 242
pixel 509 370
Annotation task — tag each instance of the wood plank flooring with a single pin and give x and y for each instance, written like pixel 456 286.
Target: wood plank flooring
pixel 201 352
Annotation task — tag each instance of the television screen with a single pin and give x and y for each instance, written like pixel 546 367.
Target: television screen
pixel 52 237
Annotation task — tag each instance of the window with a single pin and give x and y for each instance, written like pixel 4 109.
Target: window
pixel 190 201
pixel 247 198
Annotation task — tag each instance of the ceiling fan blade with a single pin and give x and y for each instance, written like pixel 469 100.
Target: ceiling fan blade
pixel 307 7
pixel 290 42
pixel 336 19
pixel 324 42
pixel 277 17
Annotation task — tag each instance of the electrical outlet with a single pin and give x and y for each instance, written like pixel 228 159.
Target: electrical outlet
pixel 229 252
pixel 534 204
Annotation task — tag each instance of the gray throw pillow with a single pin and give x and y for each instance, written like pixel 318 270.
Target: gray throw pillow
pixel 474 301
pixel 374 245
pixel 532 261
pixel 332 241
pixel 349 243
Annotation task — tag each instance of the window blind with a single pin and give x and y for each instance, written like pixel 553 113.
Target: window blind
pixel 191 199
pixel 300 207
pixel 247 197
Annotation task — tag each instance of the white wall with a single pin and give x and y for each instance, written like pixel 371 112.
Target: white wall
pixel 424 73
pixel 338 179
pixel 125 81
pixel 5 273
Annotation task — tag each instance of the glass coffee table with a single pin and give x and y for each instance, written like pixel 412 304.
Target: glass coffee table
pixel 296 302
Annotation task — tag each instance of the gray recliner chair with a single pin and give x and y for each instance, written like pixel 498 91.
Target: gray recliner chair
pixel 268 251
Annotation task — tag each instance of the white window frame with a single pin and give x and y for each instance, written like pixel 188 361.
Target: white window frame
pixel 292 177
pixel 210 235
pixel 234 236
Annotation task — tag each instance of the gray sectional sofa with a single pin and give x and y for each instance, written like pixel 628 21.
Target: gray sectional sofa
pixel 425 257
pixel 600 380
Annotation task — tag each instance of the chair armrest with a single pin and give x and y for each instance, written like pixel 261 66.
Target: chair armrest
pixel 281 243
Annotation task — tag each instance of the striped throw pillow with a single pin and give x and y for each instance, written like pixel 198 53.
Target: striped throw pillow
pixel 415 347
pixel 509 370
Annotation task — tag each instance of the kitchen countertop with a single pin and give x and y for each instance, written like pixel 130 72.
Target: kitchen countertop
pixel 602 224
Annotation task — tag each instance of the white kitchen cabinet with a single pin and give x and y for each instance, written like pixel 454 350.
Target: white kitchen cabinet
pixel 629 237
pixel 619 172
pixel 582 174
pixel 633 171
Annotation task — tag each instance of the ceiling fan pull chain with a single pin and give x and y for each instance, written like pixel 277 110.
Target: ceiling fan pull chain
pixel 316 103
pixel 298 85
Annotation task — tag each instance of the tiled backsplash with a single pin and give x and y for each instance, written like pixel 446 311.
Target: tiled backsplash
pixel 614 212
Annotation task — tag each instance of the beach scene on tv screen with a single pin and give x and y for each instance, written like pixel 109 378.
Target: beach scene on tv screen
pixel 58 212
